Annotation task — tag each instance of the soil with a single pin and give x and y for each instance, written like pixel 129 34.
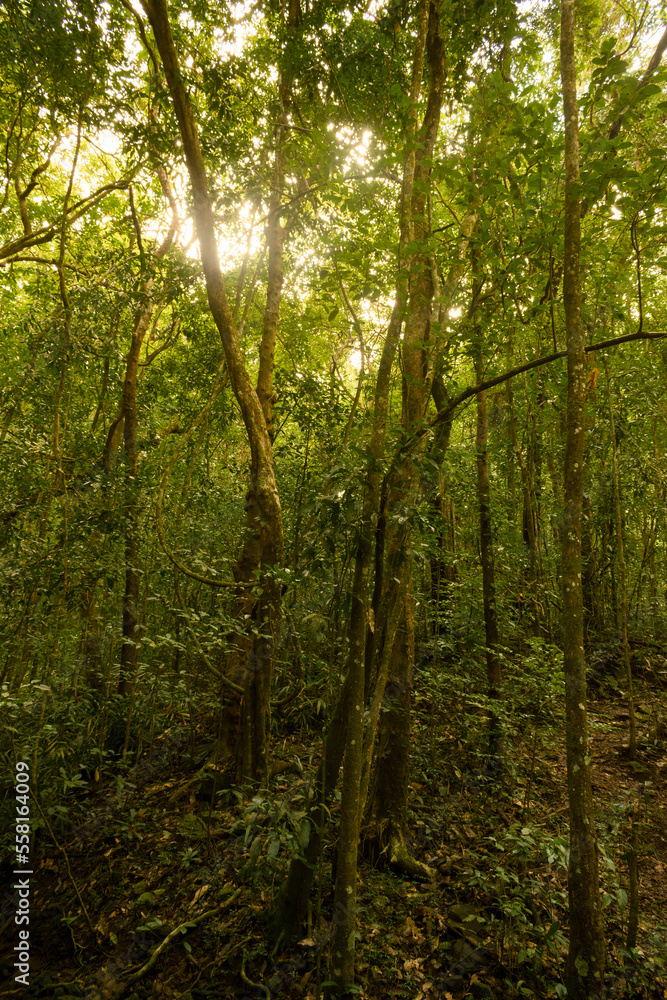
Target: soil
pixel 175 891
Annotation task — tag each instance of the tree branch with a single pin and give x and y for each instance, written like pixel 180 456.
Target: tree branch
pixel 473 390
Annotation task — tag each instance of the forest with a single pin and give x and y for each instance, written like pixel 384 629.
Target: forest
pixel 333 553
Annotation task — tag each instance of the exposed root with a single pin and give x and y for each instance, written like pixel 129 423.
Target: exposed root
pixel 386 844
pixel 401 859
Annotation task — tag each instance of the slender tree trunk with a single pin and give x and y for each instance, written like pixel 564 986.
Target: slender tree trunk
pixel 274 242
pixel 386 819
pixel 91 639
pixel 589 564
pixel 486 543
pixel 265 547
pixel 493 672
pixel 291 904
pixel 443 567
pixel 386 816
pixel 586 955
pixel 621 566
pixel 257 647
pixel 540 626
pixel 343 937
pixel 290 907
pixel 129 649
pixel 529 519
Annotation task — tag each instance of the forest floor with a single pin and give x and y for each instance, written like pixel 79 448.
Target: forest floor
pixel 175 890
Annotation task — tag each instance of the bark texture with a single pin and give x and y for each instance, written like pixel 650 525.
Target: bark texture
pixel 385 827
pixel 486 541
pixel 622 572
pixel 586 955
pixel 290 907
pixel 264 523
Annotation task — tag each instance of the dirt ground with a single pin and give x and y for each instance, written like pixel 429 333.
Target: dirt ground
pixel 152 892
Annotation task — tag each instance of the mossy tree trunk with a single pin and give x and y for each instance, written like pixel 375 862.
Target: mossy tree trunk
pixel 586 954
pixel 385 828
pixel 263 546
pixel 346 724
pixel 491 635
pixel 622 571
pixel 250 664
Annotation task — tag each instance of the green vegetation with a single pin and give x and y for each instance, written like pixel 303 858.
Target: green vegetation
pixel 333 565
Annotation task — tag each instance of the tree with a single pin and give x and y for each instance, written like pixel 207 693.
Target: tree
pixel 398 473
pixel 586 955
pixel 264 532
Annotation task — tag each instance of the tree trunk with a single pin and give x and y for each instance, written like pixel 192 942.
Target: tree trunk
pixel 129 649
pixel 264 515
pixel 386 815
pixel 493 674
pixel 621 567
pixel 586 955
pixel 444 569
pixel 290 906
pixel 91 639
pixel 529 519
pixel 486 543
pixel 589 576
pixel 442 565
pixel 385 823
pixel 258 646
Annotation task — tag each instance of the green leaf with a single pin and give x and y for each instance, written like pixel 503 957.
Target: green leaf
pixel 552 930
pixel 273 848
pixel 648 91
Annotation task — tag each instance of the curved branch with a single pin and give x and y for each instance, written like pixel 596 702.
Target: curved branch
pixel 181 929
pixel 499 379
pixel 473 390
pixel 74 212
pixel 142 34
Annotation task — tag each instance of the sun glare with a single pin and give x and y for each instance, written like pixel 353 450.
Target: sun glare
pixel 356 360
